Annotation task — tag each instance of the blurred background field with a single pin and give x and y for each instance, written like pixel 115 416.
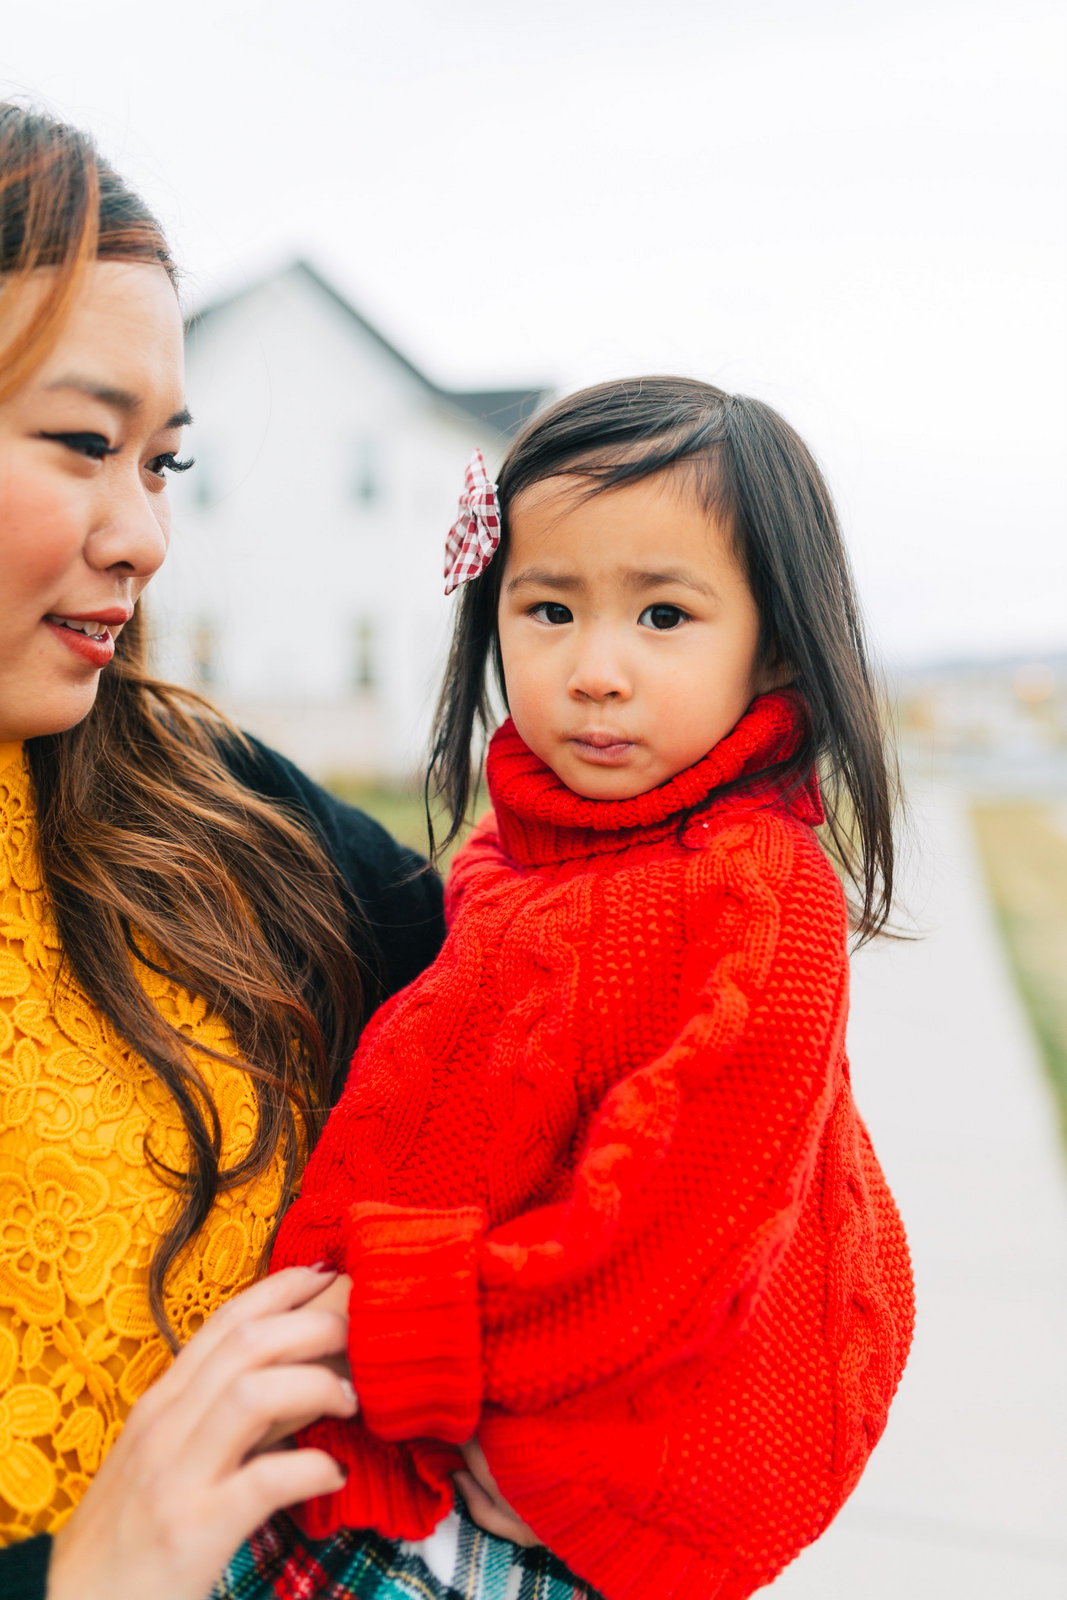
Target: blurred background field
pixel 996 734
pixel 1024 849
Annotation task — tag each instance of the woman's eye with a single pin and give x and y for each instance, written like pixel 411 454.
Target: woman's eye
pixel 94 446
pixel 661 617
pixel 167 463
pixel 552 613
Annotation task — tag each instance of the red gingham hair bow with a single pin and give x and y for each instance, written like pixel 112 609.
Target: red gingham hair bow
pixel 475 534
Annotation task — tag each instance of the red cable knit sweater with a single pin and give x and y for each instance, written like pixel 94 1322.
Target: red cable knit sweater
pixel 604 1194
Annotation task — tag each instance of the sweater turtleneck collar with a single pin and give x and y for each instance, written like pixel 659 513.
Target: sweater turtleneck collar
pixel 541 820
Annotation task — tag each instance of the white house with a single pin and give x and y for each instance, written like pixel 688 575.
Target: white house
pixel 304 591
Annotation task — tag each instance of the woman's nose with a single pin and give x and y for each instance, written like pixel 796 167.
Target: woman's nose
pixel 600 672
pixel 131 531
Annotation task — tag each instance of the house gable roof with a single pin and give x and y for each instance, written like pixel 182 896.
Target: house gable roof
pixel 503 410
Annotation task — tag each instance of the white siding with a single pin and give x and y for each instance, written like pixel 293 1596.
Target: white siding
pixel 308 541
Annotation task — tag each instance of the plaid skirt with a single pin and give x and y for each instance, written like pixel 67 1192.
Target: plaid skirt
pixel 279 1563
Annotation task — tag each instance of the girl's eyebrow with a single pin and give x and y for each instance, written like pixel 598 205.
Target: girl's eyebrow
pixel 635 578
pixel 119 399
pixel 546 580
pixel 656 580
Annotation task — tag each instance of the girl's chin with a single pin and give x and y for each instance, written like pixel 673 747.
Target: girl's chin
pixel 604 783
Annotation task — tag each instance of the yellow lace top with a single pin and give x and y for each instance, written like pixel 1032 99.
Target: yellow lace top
pixel 79 1207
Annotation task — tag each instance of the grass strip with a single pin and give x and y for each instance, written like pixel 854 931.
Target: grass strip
pixel 402 813
pixel 1024 849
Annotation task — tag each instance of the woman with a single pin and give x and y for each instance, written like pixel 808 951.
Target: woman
pixel 191 935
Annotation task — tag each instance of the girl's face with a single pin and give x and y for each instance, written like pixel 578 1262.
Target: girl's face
pixel 627 630
pixel 84 448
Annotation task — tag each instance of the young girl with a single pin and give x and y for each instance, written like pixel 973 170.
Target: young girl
pixel 597 1176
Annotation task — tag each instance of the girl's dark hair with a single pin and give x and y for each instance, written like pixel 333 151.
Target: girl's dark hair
pixel 147 841
pixel 750 469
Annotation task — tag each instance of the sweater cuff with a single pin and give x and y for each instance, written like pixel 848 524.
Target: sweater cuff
pixel 401 1491
pixel 24 1568
pixel 414 1326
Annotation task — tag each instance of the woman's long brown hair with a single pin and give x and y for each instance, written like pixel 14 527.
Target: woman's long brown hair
pixel 149 845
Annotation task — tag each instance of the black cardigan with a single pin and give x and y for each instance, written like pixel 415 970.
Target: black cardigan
pixel 393 901
pixel 391 891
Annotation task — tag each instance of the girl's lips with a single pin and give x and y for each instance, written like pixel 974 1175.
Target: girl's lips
pixel 97 649
pixel 603 751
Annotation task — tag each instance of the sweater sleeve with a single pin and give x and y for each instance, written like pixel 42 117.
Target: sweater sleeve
pixel 684 1197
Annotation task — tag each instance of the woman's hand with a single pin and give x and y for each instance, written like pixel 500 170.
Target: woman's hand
pixel 335 1298
pixel 187 1479
pixel 486 1504
pixel 476 1483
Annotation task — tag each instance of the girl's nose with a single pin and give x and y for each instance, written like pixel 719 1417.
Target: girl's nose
pixel 600 674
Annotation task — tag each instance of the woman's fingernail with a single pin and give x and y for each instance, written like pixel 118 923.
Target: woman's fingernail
pixel 321 1266
pixel 348 1391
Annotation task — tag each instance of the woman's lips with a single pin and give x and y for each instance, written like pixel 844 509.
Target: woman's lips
pixel 602 749
pixel 96 647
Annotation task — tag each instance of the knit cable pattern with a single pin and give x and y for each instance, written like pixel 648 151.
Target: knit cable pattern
pixel 603 1192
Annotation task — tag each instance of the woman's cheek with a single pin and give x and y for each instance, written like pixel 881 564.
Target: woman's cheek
pixel 40 540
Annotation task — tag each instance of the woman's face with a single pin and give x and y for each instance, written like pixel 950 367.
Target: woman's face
pixel 85 446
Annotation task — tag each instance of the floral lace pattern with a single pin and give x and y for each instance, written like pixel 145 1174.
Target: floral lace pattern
pixel 80 1209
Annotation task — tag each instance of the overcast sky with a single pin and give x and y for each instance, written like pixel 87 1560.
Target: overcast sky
pixel 854 211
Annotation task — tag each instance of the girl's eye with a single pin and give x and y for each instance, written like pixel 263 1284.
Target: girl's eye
pixel 167 463
pixel 552 613
pixel 94 446
pixel 662 617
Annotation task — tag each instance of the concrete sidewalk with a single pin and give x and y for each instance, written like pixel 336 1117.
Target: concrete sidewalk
pixel 966 1496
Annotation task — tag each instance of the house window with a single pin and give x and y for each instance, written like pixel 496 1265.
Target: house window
pixel 365 670
pixel 367 473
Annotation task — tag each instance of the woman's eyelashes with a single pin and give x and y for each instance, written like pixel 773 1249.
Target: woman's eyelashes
pixel 94 447
pixel 167 463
